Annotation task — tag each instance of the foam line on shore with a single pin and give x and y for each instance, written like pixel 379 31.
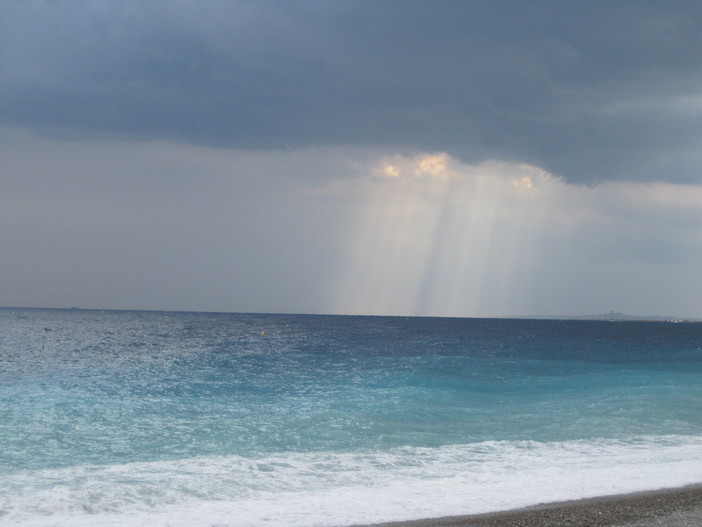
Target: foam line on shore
pixel 679 507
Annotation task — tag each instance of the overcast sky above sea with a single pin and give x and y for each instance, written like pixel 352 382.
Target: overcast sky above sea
pixel 461 158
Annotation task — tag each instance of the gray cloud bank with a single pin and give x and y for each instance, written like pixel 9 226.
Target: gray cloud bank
pixel 590 91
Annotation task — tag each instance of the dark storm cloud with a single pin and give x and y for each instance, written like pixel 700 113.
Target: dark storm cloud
pixel 587 90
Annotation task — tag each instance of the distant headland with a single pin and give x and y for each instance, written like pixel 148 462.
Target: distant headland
pixel 620 317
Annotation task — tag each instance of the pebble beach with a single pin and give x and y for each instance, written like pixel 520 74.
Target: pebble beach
pixel 681 507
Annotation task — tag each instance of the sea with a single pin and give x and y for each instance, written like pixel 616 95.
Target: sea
pixel 134 418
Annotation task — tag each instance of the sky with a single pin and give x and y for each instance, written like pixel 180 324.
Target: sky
pixel 439 158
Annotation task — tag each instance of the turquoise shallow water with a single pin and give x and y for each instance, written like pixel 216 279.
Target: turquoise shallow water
pixel 155 410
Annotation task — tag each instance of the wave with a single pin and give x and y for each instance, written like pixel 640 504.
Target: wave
pixel 331 488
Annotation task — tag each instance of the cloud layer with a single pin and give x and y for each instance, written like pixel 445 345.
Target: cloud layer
pixel 589 91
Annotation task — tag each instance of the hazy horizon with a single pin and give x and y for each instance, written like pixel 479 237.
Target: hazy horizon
pixel 617 316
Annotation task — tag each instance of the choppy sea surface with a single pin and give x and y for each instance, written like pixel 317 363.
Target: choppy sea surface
pixel 123 418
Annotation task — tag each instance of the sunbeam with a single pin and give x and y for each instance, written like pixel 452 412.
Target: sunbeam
pixel 442 238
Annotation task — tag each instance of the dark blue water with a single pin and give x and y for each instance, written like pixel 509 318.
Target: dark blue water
pixel 108 389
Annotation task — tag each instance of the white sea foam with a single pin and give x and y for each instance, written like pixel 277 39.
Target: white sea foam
pixel 327 489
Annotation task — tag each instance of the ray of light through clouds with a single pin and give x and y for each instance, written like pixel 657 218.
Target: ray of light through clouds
pixel 408 158
pixel 441 237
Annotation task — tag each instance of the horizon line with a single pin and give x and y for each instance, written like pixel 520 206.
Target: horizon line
pixel 612 316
